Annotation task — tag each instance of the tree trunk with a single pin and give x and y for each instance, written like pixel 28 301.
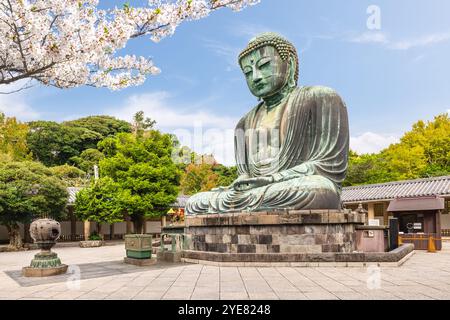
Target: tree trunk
pixel 15 239
pixel 99 229
pixel 138 223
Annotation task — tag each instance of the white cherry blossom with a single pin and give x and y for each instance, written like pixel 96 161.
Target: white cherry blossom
pixel 69 43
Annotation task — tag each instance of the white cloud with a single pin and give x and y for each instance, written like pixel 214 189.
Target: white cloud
pixel 203 131
pixel 420 41
pixel 370 142
pixel 157 106
pixel 223 50
pixel 383 39
pixel 249 30
pixel 370 37
pixel 15 104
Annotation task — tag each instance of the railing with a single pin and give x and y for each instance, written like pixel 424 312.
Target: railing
pixel 421 240
pixel 80 237
pixel 71 237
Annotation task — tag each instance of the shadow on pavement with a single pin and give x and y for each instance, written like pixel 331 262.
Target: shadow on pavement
pixel 87 271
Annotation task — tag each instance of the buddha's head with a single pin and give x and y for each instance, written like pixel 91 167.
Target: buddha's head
pixel 270 64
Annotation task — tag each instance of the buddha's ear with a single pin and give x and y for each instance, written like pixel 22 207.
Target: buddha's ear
pixel 291 81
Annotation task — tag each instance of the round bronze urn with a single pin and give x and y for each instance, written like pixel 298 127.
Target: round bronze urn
pixel 45 232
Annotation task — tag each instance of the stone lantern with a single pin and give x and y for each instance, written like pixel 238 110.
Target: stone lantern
pixel 45 232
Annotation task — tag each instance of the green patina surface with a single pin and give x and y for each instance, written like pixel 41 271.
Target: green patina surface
pixel 45 260
pixel 139 254
pixel 291 149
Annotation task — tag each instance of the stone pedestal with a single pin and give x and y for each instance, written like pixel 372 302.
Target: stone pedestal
pixel 44 264
pixel 276 234
pixel 169 256
pixel 140 262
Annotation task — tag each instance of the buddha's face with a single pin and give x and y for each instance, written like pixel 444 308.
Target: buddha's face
pixel 266 73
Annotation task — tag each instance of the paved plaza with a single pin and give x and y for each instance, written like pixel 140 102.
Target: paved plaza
pixel 99 273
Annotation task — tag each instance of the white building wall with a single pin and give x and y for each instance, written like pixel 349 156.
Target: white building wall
pixel 120 228
pixel 153 226
pixel 445 221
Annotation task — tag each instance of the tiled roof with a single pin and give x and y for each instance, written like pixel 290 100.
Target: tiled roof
pixel 439 186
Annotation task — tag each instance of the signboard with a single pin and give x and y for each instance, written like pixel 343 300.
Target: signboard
pixel 374 222
pixel 417 226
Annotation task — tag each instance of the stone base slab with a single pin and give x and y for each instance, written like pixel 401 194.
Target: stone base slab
pixel 44 272
pixel 169 256
pixel 91 243
pixel 140 262
pixel 274 232
pixel 276 218
pixel 393 258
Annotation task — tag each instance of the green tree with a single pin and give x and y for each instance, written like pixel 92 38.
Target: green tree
pixel 54 144
pixel 143 168
pixel 99 203
pixel 87 159
pixel 421 152
pixel 140 123
pixel 106 126
pixel 28 190
pixel 198 178
pixel 13 138
pixel 71 176
pixel 226 175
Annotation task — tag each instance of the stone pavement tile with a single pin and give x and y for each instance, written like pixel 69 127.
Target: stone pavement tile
pixel 380 295
pixel 122 294
pixel 13 295
pixel 405 289
pixel 68 295
pixel 179 291
pixel 320 295
pixel 281 286
pixel 176 295
pixel 46 294
pixel 149 295
pixel 201 294
pixel 436 294
pixel 335 288
pixel 289 295
pixel 241 295
pixel 183 283
pixel 309 288
pixel 231 283
pixel 263 296
pixel 350 295
pixel 411 296
pixel 249 273
pixel 231 289
pixel 92 296
pixel 352 283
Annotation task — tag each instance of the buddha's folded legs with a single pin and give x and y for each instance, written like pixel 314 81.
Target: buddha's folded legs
pixel 310 192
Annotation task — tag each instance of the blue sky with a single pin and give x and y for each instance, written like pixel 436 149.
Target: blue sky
pixel 389 78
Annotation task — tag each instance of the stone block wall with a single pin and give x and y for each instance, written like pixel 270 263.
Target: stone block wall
pixel 315 231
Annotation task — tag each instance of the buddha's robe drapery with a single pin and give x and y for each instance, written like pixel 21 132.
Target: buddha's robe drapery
pixel 308 166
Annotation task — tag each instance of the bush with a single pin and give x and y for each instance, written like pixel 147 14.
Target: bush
pixel 95 236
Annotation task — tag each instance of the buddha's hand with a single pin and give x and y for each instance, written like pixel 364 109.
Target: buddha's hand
pixel 251 183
